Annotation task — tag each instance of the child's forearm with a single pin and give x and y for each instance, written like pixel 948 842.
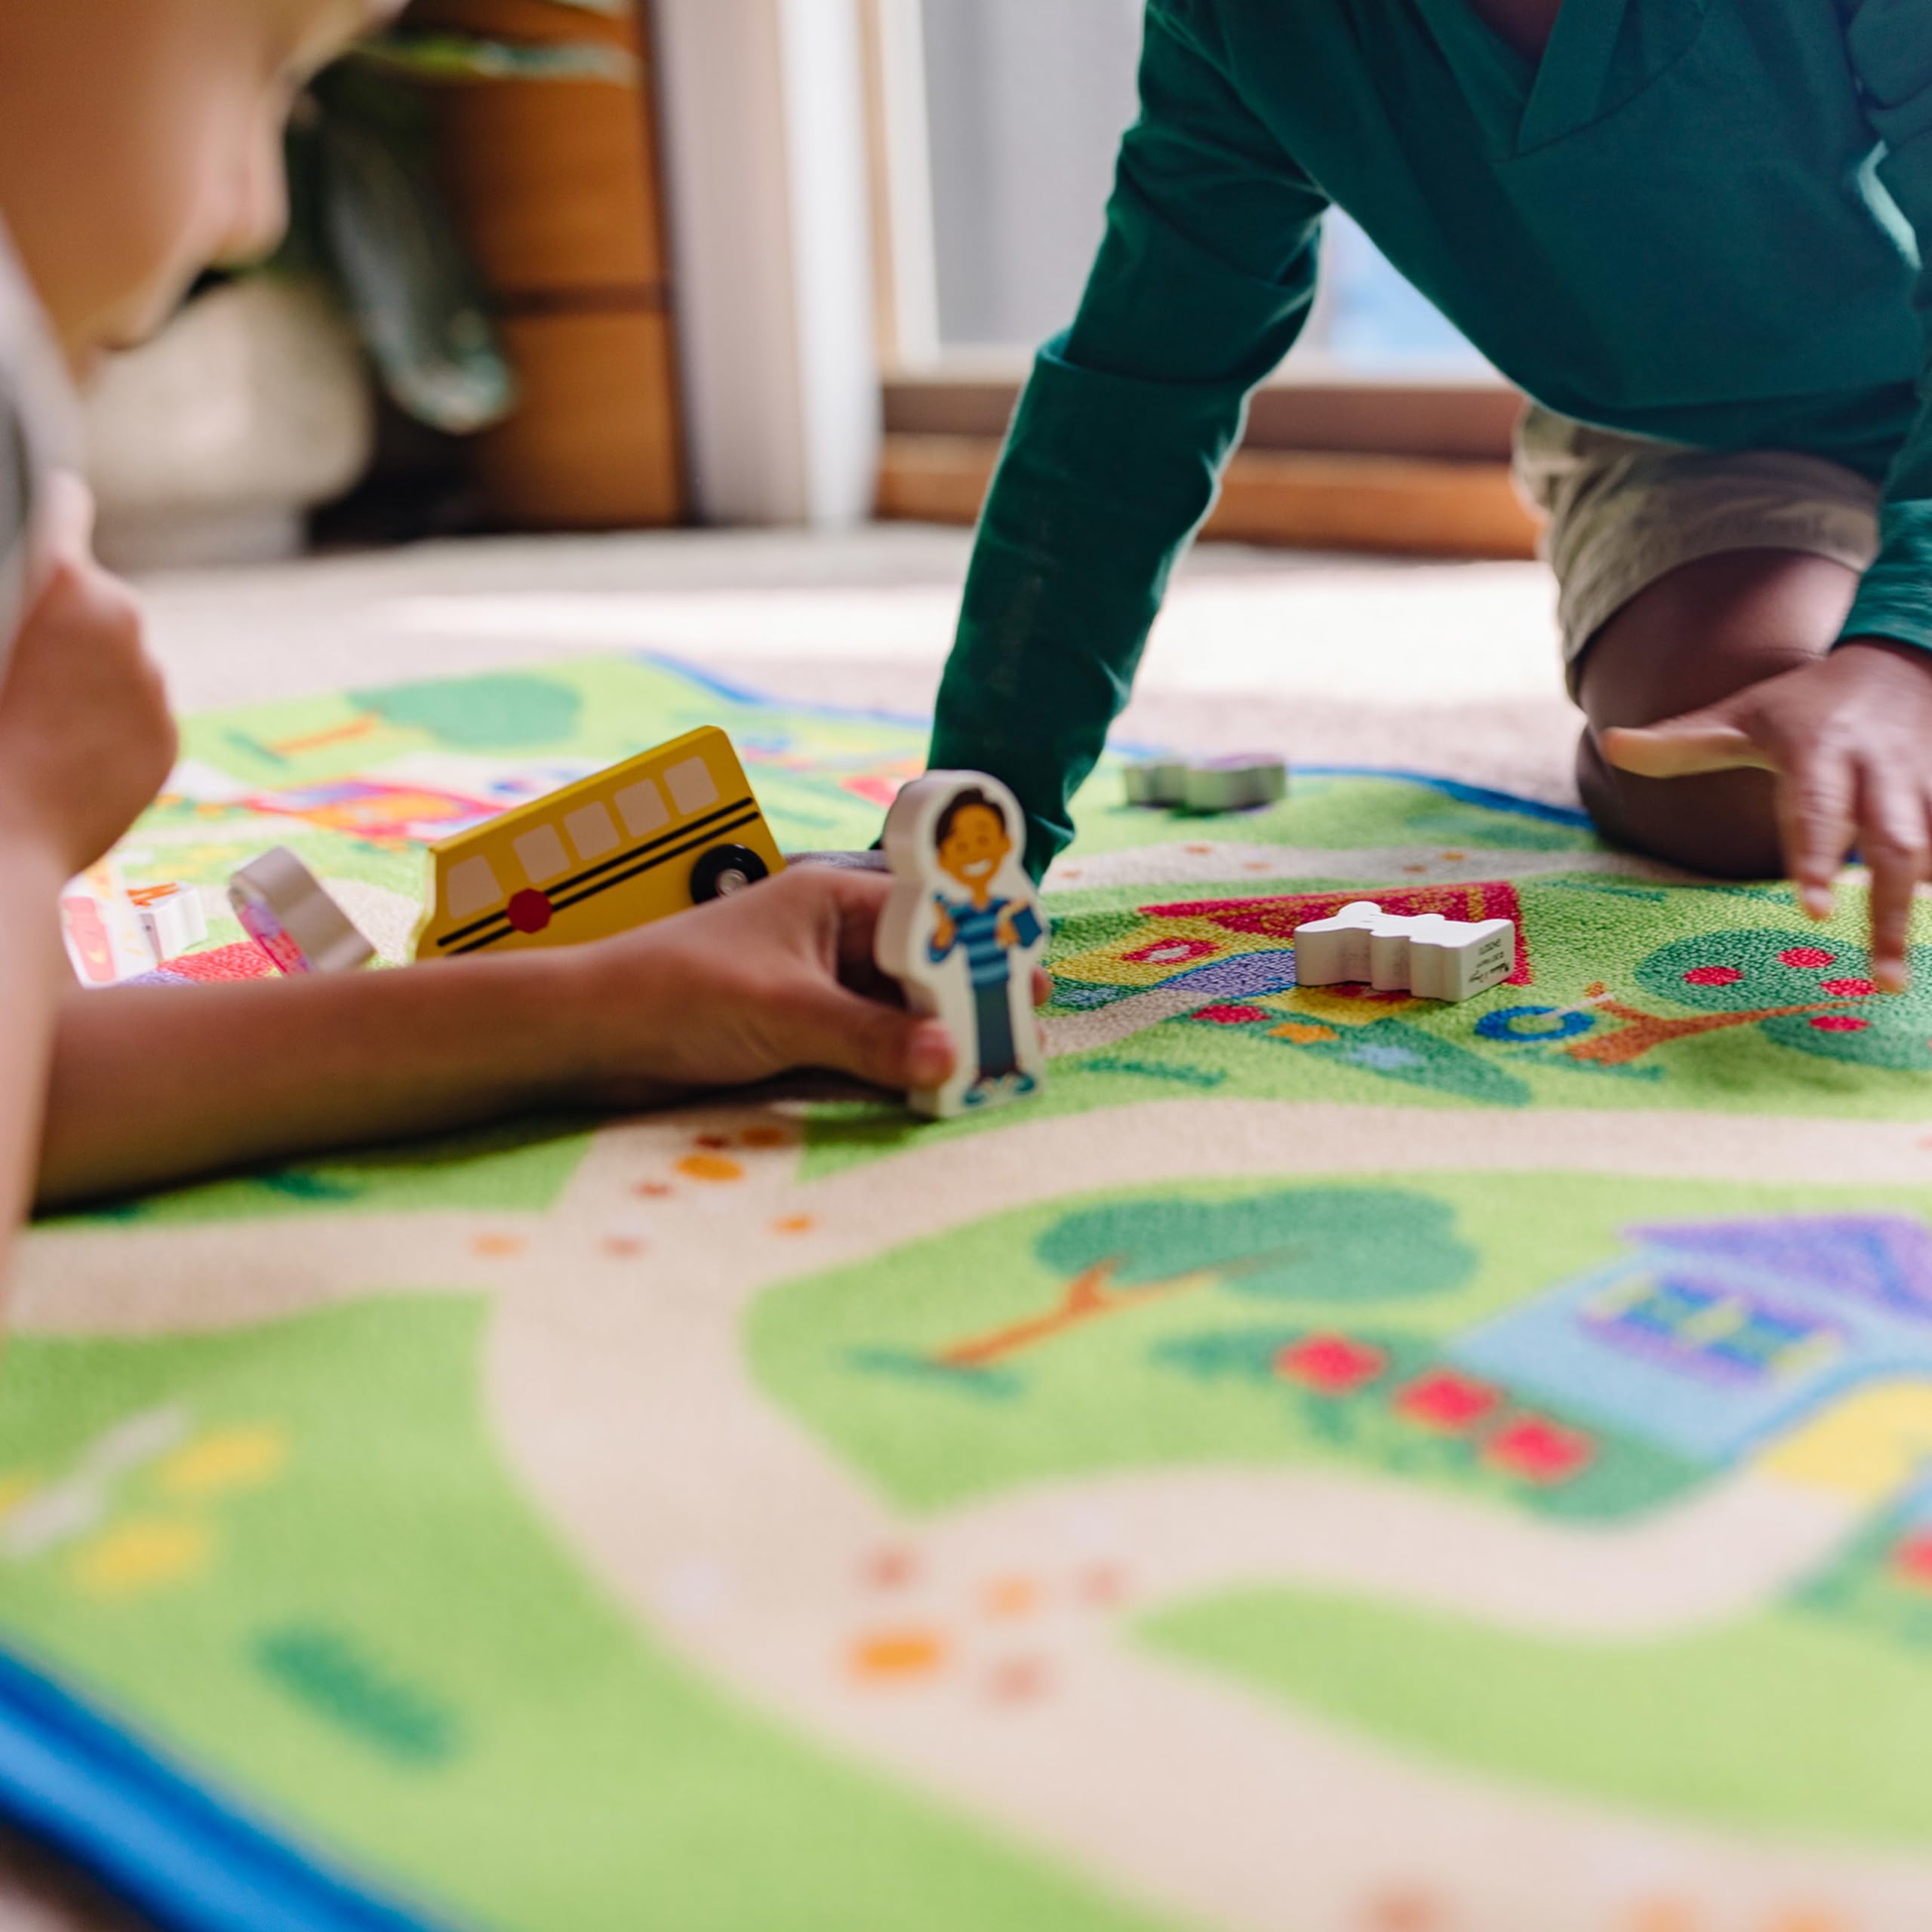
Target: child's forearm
pixel 153 1085
pixel 33 972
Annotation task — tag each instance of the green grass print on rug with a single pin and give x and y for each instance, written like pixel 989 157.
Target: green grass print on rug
pixel 324 1587
pixel 321 1588
pixel 1780 1724
pixel 355 783
pixel 514 1167
pixel 1367 1328
pixel 1719 1000
pixel 967 1366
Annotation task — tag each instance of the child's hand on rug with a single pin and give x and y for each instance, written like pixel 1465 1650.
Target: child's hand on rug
pixel 1850 739
pixel 85 738
pixel 779 978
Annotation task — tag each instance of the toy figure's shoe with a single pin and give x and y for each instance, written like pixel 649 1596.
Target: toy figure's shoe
pixel 981 1091
pixel 1024 1084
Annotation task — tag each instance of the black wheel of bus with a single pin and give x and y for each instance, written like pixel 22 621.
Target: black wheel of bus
pixel 724 870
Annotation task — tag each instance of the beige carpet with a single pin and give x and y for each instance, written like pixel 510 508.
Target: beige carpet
pixel 1448 667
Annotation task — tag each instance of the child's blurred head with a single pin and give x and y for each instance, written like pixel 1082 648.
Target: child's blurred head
pixel 140 142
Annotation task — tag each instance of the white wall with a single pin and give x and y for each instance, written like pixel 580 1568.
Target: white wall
pixel 763 107
pixel 1025 101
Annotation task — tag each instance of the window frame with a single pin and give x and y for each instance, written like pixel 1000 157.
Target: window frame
pixel 1310 405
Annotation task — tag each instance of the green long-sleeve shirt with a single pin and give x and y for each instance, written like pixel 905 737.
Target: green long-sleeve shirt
pixel 1670 226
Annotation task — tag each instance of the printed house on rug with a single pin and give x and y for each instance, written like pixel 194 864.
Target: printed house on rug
pixel 1715 1340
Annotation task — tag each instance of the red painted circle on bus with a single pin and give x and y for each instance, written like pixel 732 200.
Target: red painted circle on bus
pixel 530 911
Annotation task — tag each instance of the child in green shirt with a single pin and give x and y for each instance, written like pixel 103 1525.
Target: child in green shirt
pixel 1686 228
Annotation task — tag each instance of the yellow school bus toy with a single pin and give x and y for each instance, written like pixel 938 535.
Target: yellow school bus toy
pixel 659 833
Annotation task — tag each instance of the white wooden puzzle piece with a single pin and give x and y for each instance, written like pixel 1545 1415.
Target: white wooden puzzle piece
pixel 1235 784
pixel 1156 781
pixel 1430 956
pixel 962 932
pixel 175 919
pixel 283 908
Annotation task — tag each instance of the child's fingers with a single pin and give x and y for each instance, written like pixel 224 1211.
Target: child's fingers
pixel 1043 985
pixel 840 905
pixel 67 517
pixel 884 1044
pixel 1713 740
pixel 1892 841
pixel 1817 815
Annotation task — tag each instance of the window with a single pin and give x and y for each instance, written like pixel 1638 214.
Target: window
pixel 471 888
pixel 999 121
pixel 542 856
pixel 592 832
pixel 692 786
pixel 1712 1329
pixel 642 808
pixel 994 126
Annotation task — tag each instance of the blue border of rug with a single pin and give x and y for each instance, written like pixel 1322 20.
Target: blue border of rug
pixel 734 693
pixel 149 1832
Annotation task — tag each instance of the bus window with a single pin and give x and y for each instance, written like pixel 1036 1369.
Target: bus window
pixel 642 808
pixel 471 888
pixel 542 855
pixel 593 831
pixel 692 786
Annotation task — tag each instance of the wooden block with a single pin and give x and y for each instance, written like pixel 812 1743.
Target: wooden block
pixel 593 444
pixel 283 908
pixel 174 918
pixel 1429 956
pixel 1462 960
pixel 961 934
pixel 1239 784
pixel 1157 781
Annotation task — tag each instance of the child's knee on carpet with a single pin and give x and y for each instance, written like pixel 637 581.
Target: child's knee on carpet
pixel 1701 634
pixel 1725 825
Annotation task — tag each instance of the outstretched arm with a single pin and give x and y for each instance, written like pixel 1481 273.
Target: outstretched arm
pixel 1203 282
pixel 1851 737
pixel 152 1085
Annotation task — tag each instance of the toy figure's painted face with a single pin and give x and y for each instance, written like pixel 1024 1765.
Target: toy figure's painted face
pixel 975 846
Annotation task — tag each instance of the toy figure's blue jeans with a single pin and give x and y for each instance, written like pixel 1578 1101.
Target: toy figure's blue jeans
pixel 993 1013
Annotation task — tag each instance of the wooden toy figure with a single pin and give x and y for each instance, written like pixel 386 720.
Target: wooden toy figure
pixel 962 932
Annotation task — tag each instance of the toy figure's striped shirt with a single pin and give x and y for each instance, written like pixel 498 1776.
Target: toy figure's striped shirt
pixel 976 928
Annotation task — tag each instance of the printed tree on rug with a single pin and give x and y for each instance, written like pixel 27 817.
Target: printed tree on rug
pixel 1333 1244
pixel 507 712
pixel 1815 997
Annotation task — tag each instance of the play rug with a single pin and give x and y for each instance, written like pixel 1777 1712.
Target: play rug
pixel 1334 1465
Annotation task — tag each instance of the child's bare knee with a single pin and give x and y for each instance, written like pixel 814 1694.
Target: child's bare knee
pixel 1725 825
